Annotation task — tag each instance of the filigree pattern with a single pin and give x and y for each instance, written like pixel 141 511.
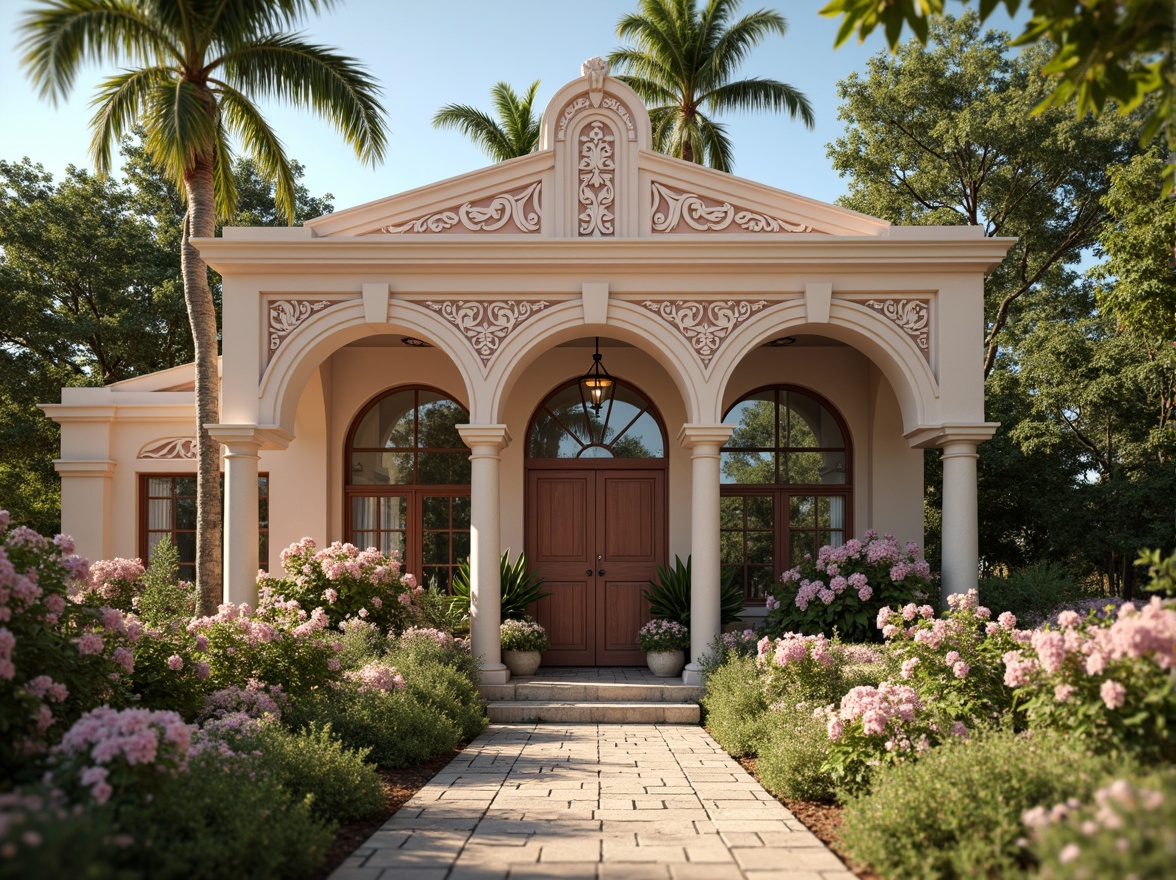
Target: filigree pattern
pixel 486 324
pixel 912 317
pixel 580 104
pixel 706 325
pixel 286 315
pixel 521 209
pixel 698 215
pixel 596 180
pixel 174 448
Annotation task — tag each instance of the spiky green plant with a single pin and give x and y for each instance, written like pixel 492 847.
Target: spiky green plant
pixel 520 587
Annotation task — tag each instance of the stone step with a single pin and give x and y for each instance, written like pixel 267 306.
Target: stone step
pixel 579 692
pixel 568 712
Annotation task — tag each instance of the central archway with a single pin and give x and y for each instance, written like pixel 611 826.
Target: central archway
pixel 596 523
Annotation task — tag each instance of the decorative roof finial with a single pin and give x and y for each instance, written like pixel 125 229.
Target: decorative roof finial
pixel 596 69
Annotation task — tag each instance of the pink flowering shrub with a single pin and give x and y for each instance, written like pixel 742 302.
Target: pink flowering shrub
pixel 846 586
pixel 523 635
pixel 375 676
pixel 799 669
pixel 277 643
pixel 58 658
pixel 1128 829
pixel 1110 680
pixel 347 583
pixel 953 661
pixel 254 700
pixel 113 582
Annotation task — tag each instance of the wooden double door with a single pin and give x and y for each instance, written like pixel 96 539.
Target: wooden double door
pixel 595 533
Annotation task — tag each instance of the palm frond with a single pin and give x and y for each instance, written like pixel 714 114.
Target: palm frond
pixel 224 185
pixel 119 100
pixel 262 143
pixel 179 125
pixel 479 126
pixel 761 94
pixel 335 86
pixel 734 45
pixel 713 145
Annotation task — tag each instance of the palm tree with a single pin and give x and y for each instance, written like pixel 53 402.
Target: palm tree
pixel 191 74
pixel 681 63
pixel 514 133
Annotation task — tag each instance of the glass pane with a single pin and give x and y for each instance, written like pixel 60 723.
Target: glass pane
pixel 435 512
pixel 363 540
pixel 185 513
pixel 747 468
pixel 380 468
pixel 185 486
pixel 159 515
pixel 153 539
pixel 550 440
pixel 435 577
pixel 831 510
pixel 731 513
pixel 754 419
pixel 801 468
pixel 435 548
pixel 263 487
pixel 363 515
pixel 392 543
pixel 461 512
pixel 760 580
pixel 731 547
pixel 393 512
pixel 389 424
pixel 263 550
pixel 799 543
pixel 740 575
pixel 760 513
pixel 444 468
pixel 461 547
pixel 760 546
pixel 642 439
pixel 263 513
pixel 833 468
pixel 595 452
pixel 438 418
pixel 186 547
pixel 159 487
pixel 802 512
pixel 809 423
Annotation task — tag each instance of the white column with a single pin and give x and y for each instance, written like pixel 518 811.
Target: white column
pixel 704 442
pixel 242 443
pixel 961 548
pixel 485 443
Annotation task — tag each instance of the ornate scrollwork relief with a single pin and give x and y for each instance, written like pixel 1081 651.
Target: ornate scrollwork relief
pixel 705 324
pixel 596 168
pixel 583 103
pixel 486 324
pixel 686 212
pixel 170 448
pixel 287 315
pixel 521 209
pixel 911 316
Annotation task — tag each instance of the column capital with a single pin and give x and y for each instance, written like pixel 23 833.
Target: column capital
pixel 693 435
pixel 485 435
pixel 933 436
pixel 244 439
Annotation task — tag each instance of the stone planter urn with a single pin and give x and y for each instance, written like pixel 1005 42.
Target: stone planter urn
pixel 521 662
pixel 665 663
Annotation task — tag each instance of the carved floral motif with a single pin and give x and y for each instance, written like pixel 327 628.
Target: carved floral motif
pixel 703 217
pixel 705 324
pixel 911 316
pixel 596 180
pixel 577 105
pixel 486 324
pixel 485 215
pixel 170 448
pixel 286 315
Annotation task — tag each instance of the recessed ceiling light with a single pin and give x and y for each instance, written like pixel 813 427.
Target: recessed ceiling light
pixel 414 342
pixel 781 341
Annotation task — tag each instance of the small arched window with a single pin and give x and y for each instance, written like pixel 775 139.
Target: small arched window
pixel 566 426
pixel 787 483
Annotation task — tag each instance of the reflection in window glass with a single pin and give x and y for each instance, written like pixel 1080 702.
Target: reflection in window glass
pixel 565 426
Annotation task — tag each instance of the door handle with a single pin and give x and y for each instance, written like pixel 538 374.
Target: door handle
pixel 601 572
pixel 588 572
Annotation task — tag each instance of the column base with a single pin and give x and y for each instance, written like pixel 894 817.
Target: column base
pixel 495 673
pixel 692 675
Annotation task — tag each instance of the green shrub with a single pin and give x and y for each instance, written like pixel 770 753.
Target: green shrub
pixel 42 840
pixel 163 600
pixel 736 706
pixel 1032 592
pixel 216 820
pixel 791 754
pixel 956 812
pixel 314 762
pixel 443 681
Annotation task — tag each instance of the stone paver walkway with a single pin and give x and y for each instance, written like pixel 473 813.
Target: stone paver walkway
pixel 599 801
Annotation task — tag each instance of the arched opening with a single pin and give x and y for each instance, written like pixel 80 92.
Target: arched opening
pixel 786 484
pixel 596 523
pixel 407 481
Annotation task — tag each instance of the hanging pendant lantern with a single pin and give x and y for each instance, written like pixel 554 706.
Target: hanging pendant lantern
pixel 597 385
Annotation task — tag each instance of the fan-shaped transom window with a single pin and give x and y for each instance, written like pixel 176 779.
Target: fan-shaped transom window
pixel 787 489
pixel 566 426
pixel 408 482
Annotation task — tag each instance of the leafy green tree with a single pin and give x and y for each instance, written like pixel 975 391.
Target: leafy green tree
pixel 193 72
pixel 1102 50
pixel 944 135
pixel 682 61
pixel 512 130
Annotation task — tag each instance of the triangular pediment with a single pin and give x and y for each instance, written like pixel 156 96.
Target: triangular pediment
pixel 596 176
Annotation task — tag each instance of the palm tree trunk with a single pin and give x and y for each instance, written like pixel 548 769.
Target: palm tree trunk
pixel 200 221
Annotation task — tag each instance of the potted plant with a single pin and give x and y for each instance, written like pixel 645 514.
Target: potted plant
pixel 663 642
pixel 522 643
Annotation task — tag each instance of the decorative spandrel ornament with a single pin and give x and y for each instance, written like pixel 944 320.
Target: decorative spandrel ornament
pixel 597 169
pixel 911 316
pixel 705 324
pixel 486 324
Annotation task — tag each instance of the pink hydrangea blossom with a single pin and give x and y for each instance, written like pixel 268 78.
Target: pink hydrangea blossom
pixel 175 662
pixel 89 643
pixel 1113 694
pixel 376 677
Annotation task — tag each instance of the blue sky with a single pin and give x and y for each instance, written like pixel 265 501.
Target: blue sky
pixel 432 52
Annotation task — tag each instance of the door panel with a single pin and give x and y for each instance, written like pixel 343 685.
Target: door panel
pixel 596 536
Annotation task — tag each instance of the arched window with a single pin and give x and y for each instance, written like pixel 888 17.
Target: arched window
pixel 408 481
pixel 786 483
pixel 566 426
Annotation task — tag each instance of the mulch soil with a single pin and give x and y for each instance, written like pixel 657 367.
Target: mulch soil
pixel 822 819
